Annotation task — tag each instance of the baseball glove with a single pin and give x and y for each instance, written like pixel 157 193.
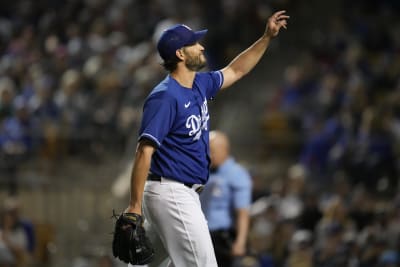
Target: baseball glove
pixel 130 243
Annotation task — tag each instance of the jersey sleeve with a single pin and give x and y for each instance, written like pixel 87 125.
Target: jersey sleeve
pixel 241 187
pixel 158 116
pixel 215 83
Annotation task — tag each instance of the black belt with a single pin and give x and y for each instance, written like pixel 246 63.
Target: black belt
pixel 157 178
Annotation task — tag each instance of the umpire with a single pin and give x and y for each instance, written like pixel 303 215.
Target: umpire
pixel 225 202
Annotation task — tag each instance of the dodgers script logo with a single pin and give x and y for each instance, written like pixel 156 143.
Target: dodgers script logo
pixel 198 123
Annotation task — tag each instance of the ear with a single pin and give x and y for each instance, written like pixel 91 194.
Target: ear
pixel 179 54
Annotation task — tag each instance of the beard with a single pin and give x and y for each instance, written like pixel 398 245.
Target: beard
pixel 196 63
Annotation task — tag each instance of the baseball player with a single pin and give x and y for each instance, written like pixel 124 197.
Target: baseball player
pixel 172 160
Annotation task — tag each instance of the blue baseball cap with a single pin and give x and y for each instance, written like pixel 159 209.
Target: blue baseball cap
pixel 175 38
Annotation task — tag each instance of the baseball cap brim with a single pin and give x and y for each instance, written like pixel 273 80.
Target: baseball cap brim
pixel 196 37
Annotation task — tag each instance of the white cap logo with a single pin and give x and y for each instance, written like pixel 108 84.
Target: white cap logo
pixel 187 27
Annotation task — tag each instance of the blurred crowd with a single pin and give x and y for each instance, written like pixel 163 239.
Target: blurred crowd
pixel 340 104
pixel 17 237
pixel 341 97
pixel 74 73
pixel 295 225
pixel 71 76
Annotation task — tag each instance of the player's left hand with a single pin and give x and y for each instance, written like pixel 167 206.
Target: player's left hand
pixel 276 22
pixel 130 243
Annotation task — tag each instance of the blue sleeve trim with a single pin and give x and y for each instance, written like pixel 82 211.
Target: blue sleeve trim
pixel 221 79
pixel 152 138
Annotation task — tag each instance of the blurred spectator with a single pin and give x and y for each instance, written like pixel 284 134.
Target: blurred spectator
pixel 372 246
pixel 7 92
pixel 281 239
pixel 311 213
pixel 291 203
pixel 361 208
pixel 264 220
pixel 374 160
pixel 73 103
pixel 16 237
pixel 300 250
pixel 335 217
pixel 18 139
pixel 331 251
pixel 389 258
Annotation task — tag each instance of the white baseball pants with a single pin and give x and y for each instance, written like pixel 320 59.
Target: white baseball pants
pixel 176 225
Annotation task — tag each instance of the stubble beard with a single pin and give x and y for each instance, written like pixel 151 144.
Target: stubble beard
pixel 196 63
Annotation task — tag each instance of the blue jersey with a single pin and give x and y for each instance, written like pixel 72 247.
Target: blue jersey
pixel 228 189
pixel 176 120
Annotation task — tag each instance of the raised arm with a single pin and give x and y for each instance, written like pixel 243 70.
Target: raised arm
pixel 245 61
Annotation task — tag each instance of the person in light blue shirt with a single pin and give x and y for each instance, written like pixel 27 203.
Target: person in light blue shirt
pixel 225 201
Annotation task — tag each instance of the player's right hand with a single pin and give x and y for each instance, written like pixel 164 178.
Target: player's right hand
pixel 276 22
